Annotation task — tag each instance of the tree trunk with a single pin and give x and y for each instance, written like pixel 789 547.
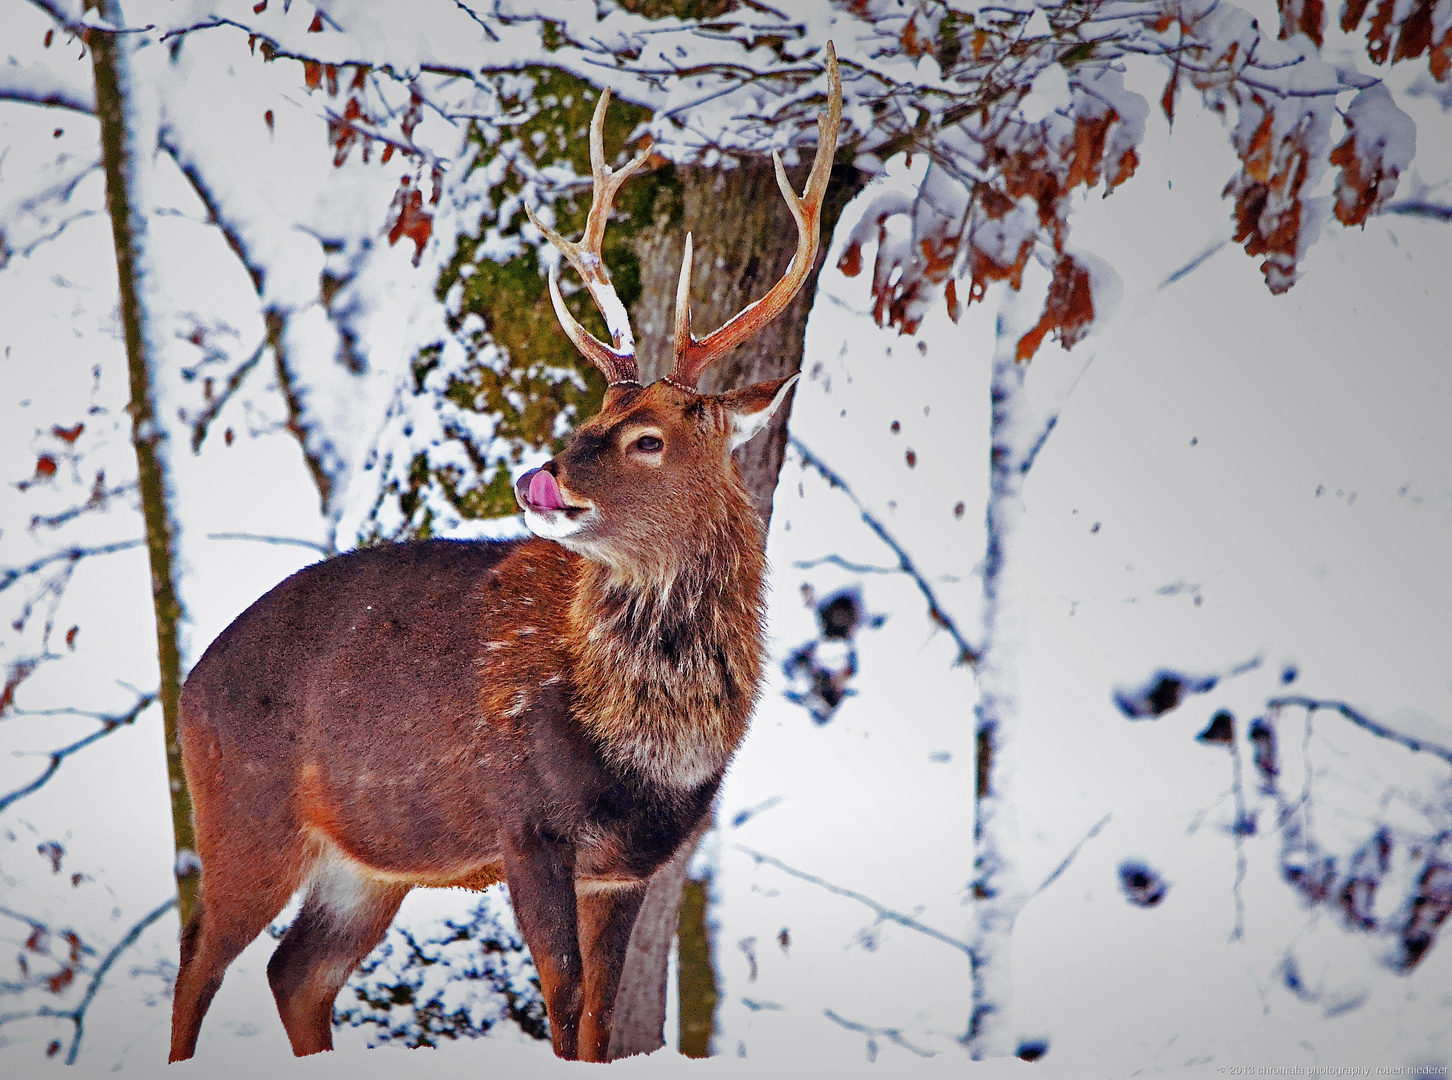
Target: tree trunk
pixel 128 145
pixel 997 886
pixel 744 238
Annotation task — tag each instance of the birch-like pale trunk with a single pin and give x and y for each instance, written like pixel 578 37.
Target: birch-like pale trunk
pixel 1015 435
pixel 127 112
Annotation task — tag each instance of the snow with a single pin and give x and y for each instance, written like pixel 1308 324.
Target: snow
pixel 1233 476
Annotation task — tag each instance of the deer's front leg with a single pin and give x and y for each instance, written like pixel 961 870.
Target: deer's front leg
pixel 541 876
pixel 607 913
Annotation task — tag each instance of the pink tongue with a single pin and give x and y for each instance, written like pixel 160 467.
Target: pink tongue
pixel 544 493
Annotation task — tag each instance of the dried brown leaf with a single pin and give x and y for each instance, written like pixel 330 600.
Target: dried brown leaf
pixel 1068 309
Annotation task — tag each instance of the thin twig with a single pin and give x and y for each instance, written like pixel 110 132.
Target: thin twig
pixel 1417 208
pixel 892 1034
pixel 371 131
pixel 199 429
pixel 1238 831
pixel 288 541
pixel 1055 874
pixel 966 653
pixel 1365 722
pixel 883 913
pixel 837 560
pixel 1052 420
pixel 10 575
pixel 108 725
pixel 467 10
pixel 97 501
pixel 1210 249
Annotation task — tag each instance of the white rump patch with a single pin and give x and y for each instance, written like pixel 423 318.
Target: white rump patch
pixel 338 884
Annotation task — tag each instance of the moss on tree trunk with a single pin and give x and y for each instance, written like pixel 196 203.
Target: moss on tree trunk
pixel 119 151
pixel 744 238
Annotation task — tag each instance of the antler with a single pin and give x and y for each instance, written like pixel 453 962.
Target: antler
pixel 618 363
pixel 693 356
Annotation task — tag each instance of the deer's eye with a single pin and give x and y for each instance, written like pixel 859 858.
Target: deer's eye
pixel 648 444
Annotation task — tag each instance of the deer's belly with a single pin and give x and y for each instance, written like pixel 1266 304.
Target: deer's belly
pixel 403 826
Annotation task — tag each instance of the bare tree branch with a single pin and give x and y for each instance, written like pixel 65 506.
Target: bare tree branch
pixel 77 1016
pixel 1361 720
pixel 885 914
pixel 845 564
pixel 966 653
pixel 1241 827
pixel 1435 211
pixel 893 1035
pixel 10 575
pixel 109 723
pixel 272 50
pixel 290 541
pixel 219 402
pixel 99 496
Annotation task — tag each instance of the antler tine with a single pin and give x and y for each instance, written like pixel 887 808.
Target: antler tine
pixel 693 356
pixel 617 363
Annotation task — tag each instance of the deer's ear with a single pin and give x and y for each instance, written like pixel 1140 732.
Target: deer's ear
pixel 751 408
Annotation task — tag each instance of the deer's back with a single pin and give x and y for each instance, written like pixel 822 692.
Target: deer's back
pixel 367 696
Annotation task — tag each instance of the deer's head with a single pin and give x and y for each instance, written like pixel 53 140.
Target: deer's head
pixel 653 467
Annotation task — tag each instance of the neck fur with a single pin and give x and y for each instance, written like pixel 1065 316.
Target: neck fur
pixel 668 664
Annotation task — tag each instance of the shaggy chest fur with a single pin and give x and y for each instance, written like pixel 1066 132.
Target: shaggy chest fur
pixel 662 676
pixel 667 676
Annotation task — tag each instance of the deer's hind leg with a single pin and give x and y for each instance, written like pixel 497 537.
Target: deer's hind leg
pixel 344 915
pixel 244 885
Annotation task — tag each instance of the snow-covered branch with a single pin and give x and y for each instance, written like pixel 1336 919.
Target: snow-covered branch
pixel 41 90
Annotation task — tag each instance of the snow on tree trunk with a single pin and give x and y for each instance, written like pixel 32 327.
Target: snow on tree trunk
pixel 1018 428
pixel 127 110
pixel 997 885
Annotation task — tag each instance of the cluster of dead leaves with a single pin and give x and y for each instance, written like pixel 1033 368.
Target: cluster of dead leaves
pixel 355 126
pixel 408 216
pixel 1395 31
pixel 63 948
pixel 1033 169
pixel 1018 204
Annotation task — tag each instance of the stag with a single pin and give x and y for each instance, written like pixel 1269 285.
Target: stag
pixel 555 713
